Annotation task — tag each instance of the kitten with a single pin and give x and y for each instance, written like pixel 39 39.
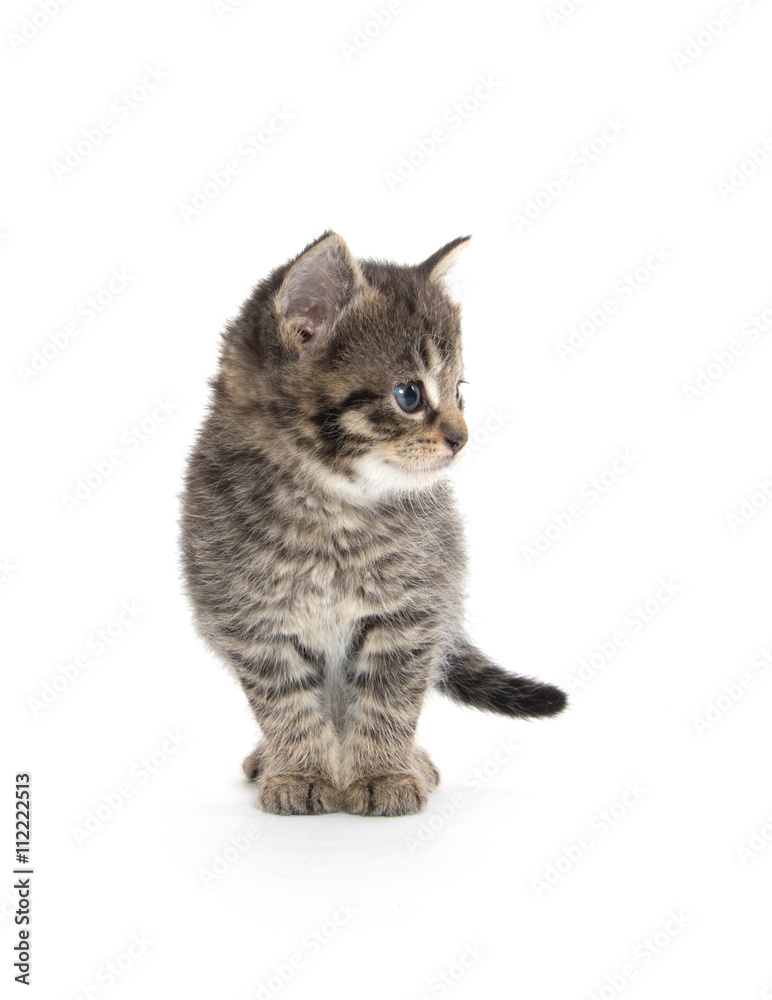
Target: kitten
pixel 322 549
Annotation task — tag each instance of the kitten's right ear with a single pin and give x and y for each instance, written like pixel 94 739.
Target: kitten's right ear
pixel 316 287
pixel 442 261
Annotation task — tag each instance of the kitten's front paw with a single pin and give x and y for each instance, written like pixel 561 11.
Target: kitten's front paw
pixel 297 795
pixel 386 795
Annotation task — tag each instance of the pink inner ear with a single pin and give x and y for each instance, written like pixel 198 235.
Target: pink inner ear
pixel 311 322
pixel 313 304
pixel 313 316
pixel 315 289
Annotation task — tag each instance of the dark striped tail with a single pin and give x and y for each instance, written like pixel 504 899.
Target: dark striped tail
pixel 471 678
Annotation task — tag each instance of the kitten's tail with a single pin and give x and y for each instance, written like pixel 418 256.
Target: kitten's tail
pixel 471 678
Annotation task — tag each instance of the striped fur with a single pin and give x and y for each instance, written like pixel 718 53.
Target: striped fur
pixel 322 550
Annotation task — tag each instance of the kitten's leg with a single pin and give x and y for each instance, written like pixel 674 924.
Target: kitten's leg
pixel 254 763
pixel 383 772
pixel 296 762
pixel 429 769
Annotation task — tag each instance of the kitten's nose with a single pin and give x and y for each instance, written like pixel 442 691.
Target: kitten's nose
pixel 456 440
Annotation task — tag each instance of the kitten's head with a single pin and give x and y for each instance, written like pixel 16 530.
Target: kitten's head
pixel 349 369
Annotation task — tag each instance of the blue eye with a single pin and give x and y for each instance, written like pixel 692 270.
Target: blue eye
pixel 408 396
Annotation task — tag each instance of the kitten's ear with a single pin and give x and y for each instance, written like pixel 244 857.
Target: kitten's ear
pixel 316 287
pixel 440 263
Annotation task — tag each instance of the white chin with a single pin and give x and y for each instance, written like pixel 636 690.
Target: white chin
pixel 380 476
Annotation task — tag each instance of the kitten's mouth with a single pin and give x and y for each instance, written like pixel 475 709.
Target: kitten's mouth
pixel 436 464
pixel 387 474
pixel 440 462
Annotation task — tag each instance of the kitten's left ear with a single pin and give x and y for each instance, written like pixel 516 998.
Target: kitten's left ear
pixel 315 289
pixel 440 263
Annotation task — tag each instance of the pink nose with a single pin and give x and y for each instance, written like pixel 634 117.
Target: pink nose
pixel 456 440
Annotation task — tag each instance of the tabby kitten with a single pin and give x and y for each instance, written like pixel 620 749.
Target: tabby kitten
pixel 322 549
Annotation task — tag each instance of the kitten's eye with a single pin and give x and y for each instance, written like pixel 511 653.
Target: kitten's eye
pixel 408 395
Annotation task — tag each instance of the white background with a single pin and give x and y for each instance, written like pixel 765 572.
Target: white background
pixel 518 874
